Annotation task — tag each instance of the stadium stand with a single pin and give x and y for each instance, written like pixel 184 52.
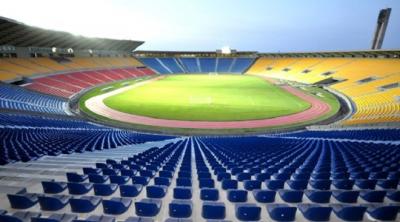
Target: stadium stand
pixel 61 168
pixel 28 67
pixel 372 84
pixel 198 65
pixel 239 179
pixel 364 134
pixel 17 98
pixel 191 65
pixel 68 84
pixel 27 137
pixel 156 65
pixel 172 65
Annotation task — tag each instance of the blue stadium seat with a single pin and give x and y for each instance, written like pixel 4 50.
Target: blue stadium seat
pixel 388 184
pixel 321 184
pixel 162 181
pixel 130 190
pixel 383 212
pixel 22 201
pixel 393 195
pixel 247 212
pixel 184 174
pixel 243 176
pixel 166 173
pixel 128 173
pixel 156 191
pixel 76 178
pixel 79 188
pixel 209 194
pixel 346 196
pixel 237 195
pixel 343 184
pixel 297 184
pixel 180 208
pixel 349 212
pixel 116 205
pixel 274 184
pixel 281 212
pixel 315 212
pixel 206 183
pixel 373 196
pixel 89 170
pixel 251 184
pixel 148 207
pixel 105 189
pixel 184 182
pixel 84 204
pixel 365 184
pixel 53 187
pixel 213 210
pixel 95 178
pixel 229 184
pixel 223 176
pixel 291 196
pixel 182 193
pixel 53 203
pixel 120 180
pixel 318 196
pixel 140 180
pixel 264 196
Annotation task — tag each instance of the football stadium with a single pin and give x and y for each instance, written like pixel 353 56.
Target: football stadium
pixel 111 129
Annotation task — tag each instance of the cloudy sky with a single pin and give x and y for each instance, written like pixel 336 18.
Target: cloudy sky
pixel 260 25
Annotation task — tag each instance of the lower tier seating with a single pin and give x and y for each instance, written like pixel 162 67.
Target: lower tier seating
pixel 26 137
pixel 17 98
pixel 66 85
pixel 362 134
pixel 226 179
pixel 372 84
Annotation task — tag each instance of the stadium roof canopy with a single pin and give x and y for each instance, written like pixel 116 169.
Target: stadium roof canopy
pixel 17 34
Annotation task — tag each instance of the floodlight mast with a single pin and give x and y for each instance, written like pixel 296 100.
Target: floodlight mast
pixel 379 35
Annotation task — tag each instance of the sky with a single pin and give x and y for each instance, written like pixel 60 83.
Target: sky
pixel 207 25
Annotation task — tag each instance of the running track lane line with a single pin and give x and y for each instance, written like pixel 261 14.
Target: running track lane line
pixel 318 108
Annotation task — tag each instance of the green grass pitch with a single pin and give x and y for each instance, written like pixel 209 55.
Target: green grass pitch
pixel 208 98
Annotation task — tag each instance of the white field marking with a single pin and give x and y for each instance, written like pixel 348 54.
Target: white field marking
pixel 96 101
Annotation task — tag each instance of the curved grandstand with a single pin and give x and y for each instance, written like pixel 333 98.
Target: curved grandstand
pixel 90 131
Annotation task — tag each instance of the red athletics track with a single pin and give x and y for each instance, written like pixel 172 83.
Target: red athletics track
pixel 317 109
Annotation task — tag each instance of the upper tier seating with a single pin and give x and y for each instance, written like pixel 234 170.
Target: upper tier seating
pixel 198 65
pixel 12 68
pixel 365 81
pixel 68 84
pixel 18 98
pixel 350 181
pixel 26 137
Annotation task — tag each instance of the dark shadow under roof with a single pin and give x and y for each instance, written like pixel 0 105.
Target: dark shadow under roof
pixel 20 35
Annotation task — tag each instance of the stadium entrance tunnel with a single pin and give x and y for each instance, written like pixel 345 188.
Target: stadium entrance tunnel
pixel 208 104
